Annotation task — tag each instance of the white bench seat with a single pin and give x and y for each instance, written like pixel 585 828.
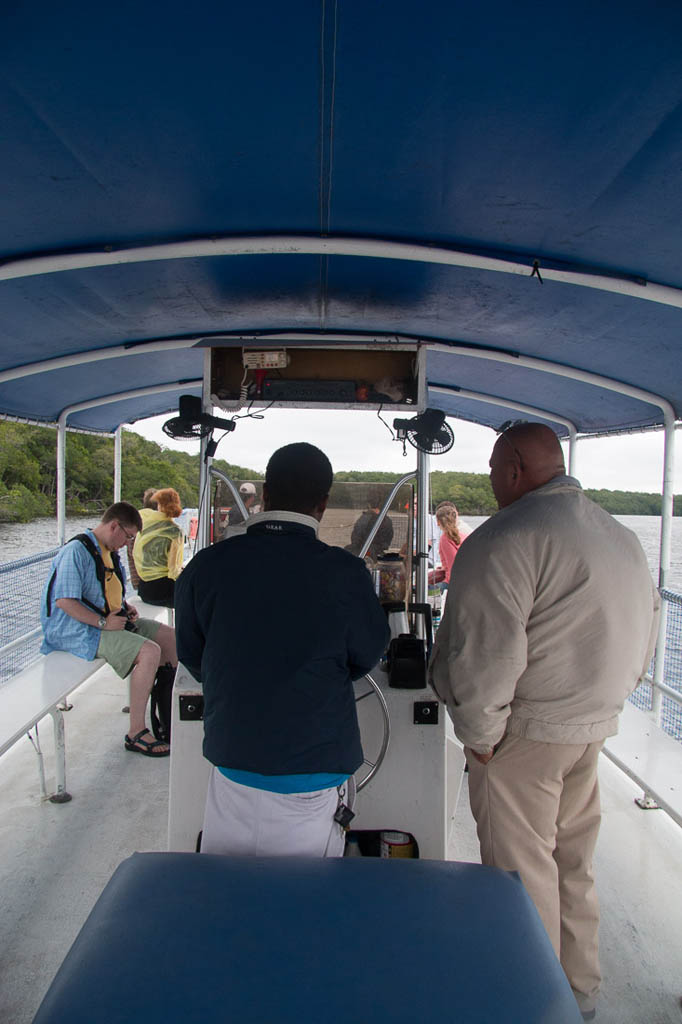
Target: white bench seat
pixel 36 692
pixel 644 751
pixel 152 611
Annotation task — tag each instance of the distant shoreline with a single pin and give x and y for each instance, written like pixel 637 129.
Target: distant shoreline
pixel 28 478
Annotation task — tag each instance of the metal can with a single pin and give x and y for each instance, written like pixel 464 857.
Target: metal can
pixel 392 579
pixel 396 844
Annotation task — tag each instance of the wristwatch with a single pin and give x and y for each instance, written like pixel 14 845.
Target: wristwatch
pixel 101 623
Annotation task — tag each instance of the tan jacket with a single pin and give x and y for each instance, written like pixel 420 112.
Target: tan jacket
pixel 549 625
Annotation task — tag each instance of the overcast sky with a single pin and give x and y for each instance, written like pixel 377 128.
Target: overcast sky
pixel 358 440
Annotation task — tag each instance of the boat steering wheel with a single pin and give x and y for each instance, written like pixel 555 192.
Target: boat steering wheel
pixel 374 766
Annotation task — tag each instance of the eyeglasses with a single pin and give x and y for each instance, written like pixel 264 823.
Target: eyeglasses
pixel 130 536
pixel 516 451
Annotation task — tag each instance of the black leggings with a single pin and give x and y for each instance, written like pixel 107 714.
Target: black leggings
pixel 160 592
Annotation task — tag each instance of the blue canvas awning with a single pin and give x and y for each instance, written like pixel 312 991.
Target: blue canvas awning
pixel 492 140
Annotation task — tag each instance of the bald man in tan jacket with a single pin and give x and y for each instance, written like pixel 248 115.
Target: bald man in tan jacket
pixel 549 626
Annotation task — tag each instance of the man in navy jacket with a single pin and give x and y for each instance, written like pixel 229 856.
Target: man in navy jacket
pixel 277 625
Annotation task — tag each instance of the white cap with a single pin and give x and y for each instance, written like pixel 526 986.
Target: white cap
pixel 247 489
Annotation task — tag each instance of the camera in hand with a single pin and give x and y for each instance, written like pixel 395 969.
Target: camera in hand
pixel 130 625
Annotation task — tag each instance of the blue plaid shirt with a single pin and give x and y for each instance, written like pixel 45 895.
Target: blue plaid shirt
pixel 76 578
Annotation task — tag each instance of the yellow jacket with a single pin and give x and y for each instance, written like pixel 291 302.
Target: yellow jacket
pixel 158 548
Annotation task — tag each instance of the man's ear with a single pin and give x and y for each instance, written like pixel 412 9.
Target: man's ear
pixel 520 483
pixel 321 507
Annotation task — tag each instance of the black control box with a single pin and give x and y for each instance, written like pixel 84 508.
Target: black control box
pixel 191 707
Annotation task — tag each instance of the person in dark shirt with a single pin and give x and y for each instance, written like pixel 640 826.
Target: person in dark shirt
pixel 362 528
pixel 248 495
pixel 280 725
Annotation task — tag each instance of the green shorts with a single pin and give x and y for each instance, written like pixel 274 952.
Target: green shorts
pixel 120 647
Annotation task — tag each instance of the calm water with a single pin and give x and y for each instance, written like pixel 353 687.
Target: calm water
pixel 17 540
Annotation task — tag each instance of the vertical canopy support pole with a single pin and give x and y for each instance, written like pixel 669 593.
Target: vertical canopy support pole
pixel 423 511
pixel 664 558
pixel 117 463
pixel 572 450
pixel 61 478
pixel 667 502
pixel 204 525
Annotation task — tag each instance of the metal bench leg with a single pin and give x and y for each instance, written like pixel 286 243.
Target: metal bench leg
pixel 126 707
pixel 61 796
pixel 646 802
pixel 35 743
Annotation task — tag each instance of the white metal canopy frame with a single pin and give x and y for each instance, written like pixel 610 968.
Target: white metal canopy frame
pixel 29 266
pixel 543 366
pixel 453 348
pixel 111 256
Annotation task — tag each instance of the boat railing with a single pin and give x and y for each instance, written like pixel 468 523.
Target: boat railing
pixel 21 586
pixel 661 691
pixel 22 581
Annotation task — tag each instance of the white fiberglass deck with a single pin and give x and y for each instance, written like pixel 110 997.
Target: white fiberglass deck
pixel 55 860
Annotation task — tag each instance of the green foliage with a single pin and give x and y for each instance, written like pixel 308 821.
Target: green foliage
pixel 372 475
pixel 19 505
pixel 626 503
pixel 28 471
pixel 471 492
pixel 473 496
pixel 28 477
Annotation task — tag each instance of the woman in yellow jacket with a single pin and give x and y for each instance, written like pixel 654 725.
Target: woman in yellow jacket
pixel 158 549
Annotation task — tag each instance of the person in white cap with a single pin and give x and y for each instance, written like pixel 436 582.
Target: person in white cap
pixel 248 496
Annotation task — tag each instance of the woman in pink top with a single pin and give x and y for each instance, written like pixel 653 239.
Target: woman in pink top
pixel 451 537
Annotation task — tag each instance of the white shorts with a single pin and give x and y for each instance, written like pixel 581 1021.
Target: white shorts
pixel 243 821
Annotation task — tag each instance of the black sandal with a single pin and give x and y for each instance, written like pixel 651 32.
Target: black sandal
pixel 147 748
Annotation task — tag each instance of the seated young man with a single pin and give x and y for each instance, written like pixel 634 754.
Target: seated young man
pixel 83 612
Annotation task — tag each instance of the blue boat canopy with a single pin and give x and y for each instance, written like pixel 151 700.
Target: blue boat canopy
pixel 500 183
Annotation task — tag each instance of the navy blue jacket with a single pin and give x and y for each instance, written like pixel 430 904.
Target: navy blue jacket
pixel 276 625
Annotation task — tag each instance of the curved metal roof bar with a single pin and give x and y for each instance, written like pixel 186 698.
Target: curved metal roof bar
pixel 586 377
pixel 557 370
pixel 89 404
pixel 94 355
pixel 530 410
pixel 32 422
pixel 640 288
pixel 142 348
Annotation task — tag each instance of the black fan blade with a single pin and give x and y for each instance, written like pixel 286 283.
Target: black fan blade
pixel 424 441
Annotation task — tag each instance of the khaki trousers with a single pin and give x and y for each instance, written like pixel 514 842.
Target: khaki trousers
pixel 537 812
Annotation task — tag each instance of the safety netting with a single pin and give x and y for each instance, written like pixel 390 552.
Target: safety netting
pixel 670 719
pixel 21 587
pixel 21 584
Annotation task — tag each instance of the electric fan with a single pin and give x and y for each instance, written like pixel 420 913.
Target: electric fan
pixel 427 432
pixel 192 422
